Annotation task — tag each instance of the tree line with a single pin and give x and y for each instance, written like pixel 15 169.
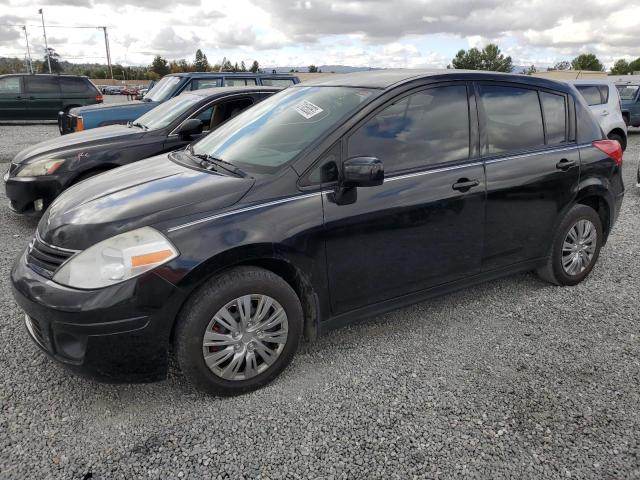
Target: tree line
pixel 491 58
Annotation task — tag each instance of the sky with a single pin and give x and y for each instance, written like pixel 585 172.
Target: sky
pixel 363 33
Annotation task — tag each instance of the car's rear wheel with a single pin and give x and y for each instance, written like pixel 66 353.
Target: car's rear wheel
pixel 576 247
pixel 238 331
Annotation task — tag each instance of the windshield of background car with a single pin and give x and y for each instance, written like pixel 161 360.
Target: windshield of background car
pixel 162 115
pixel 628 92
pixel 265 137
pixel 163 89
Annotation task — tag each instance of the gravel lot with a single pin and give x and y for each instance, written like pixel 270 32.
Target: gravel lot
pixel 511 379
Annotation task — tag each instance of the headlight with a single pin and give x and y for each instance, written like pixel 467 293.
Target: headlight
pixel 117 259
pixel 46 166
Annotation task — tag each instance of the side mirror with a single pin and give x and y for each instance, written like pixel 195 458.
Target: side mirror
pixel 193 126
pixel 362 172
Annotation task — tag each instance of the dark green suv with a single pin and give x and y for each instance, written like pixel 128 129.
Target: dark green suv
pixel 41 97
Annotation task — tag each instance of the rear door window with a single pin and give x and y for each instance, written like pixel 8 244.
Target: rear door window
pixel 513 118
pixel 239 82
pixel 44 84
pixel 76 85
pixel 277 82
pixel 591 94
pixel 422 129
pixel 10 85
pixel 200 83
pixel 555 117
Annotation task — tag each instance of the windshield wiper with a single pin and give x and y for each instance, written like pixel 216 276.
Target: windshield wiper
pixel 210 162
pixel 137 124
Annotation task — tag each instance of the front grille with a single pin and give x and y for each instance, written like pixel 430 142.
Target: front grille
pixel 45 259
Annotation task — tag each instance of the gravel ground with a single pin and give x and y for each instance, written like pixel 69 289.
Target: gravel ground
pixel 15 137
pixel 510 379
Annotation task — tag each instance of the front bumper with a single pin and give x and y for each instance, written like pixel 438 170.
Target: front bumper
pixel 23 191
pixel 115 334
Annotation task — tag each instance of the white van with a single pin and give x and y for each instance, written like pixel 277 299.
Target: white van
pixel 604 101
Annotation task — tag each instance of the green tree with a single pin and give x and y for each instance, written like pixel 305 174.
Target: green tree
pixel 489 58
pixel 529 71
pixel 160 66
pixel 562 65
pixel 313 69
pixel 255 67
pixel 243 67
pixel 201 64
pixel 621 67
pixel 54 59
pixel 634 66
pixel 587 61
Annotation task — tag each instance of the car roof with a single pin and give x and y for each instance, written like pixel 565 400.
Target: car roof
pixel 219 91
pixel 42 75
pixel 389 78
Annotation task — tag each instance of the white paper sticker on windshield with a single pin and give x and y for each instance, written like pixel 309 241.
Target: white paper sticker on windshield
pixel 307 109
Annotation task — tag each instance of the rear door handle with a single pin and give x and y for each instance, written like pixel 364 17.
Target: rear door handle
pixel 565 164
pixel 464 184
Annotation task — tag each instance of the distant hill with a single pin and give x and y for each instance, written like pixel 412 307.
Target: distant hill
pixel 324 68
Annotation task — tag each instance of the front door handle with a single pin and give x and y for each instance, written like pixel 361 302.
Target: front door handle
pixel 565 164
pixel 464 184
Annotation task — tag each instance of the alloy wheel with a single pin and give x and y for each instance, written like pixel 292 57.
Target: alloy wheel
pixel 245 337
pixel 579 247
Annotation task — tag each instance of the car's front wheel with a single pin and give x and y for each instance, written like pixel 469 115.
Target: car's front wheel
pixel 575 248
pixel 238 331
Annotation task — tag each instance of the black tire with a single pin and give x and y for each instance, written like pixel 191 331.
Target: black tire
pixel 553 271
pixel 207 301
pixel 620 138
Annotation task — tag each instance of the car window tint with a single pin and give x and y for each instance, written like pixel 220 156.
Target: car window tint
pixel 513 118
pixel 239 82
pixel 75 85
pixel 45 84
pixel 425 128
pixel 555 117
pixel 277 82
pixel 325 170
pixel 591 94
pixel 200 83
pixel 215 116
pixel 10 85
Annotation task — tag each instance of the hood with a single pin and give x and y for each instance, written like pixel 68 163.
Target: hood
pixel 141 194
pixel 136 106
pixel 76 141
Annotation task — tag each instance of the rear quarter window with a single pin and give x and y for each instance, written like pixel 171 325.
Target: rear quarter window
pixel 592 94
pixel 70 85
pixel 44 84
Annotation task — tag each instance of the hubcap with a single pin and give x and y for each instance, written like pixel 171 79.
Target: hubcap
pixel 579 247
pixel 245 337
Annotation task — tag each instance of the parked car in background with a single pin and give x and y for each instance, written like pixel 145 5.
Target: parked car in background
pixel 130 90
pixel 113 89
pixel 40 173
pixel 42 97
pixel 168 87
pixel 630 96
pixel 604 101
pixel 141 93
pixel 330 201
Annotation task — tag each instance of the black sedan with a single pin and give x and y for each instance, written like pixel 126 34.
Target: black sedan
pixel 40 173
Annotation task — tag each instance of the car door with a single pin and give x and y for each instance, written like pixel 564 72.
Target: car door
pixel 532 167
pixel 13 104
pixel 43 96
pixel 424 225
pixel 593 94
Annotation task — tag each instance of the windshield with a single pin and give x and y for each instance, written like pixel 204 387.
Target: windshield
pixel 163 115
pixel 162 90
pixel 271 134
pixel 628 92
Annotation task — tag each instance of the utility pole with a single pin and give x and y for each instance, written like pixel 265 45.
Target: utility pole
pixel 46 45
pixel 106 43
pixel 26 37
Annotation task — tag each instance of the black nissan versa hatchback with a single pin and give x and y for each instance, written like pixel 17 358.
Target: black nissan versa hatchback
pixel 328 201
